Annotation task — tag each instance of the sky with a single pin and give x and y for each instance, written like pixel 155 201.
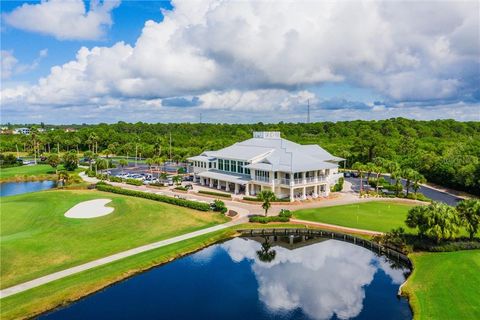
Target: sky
pixel 74 61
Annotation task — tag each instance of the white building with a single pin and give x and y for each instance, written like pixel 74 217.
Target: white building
pixel 268 162
pixel 21 131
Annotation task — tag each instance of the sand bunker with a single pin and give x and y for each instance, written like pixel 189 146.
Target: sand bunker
pixel 89 209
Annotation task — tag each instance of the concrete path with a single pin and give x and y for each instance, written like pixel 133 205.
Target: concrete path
pixel 336 227
pixel 115 257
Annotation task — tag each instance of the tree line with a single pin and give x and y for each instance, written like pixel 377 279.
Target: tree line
pixel 446 152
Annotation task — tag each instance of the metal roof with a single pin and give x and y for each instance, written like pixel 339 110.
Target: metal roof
pixel 214 174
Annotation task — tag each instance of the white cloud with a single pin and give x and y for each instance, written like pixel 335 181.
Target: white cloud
pixel 11 65
pixel 64 19
pixel 255 56
pixel 8 63
pixel 324 279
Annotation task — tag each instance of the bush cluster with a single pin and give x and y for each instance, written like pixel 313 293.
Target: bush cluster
pixel 181 188
pixel 338 186
pixel 134 182
pixel 218 194
pixel 219 206
pixel 156 197
pixel 263 219
pixel 259 200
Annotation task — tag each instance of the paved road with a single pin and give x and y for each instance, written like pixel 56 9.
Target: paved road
pixel 430 192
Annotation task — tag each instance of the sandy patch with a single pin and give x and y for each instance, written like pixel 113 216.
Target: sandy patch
pixel 89 209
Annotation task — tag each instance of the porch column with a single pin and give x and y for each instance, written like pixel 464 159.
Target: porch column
pixel 227 186
pixel 316 175
pixel 304 194
pixel 219 185
pixel 304 177
pixel 247 191
pixel 291 194
pixel 211 182
pixel 236 188
pixel 202 182
pixel 272 176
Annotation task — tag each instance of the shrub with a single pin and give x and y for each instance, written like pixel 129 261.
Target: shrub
pixel 90 173
pixel 259 200
pixel 181 188
pixel 418 196
pixel 115 179
pixel 219 206
pixel 134 182
pixel 218 194
pixel 285 213
pixel 263 219
pixel 102 176
pixel 156 197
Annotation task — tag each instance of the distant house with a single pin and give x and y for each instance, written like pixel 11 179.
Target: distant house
pixel 268 162
pixel 70 130
pixel 21 131
pixel 5 130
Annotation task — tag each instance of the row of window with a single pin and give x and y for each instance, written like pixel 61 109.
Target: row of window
pixel 233 166
pixel 202 164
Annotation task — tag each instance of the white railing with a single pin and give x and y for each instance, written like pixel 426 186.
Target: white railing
pixel 283 181
pixel 262 179
pixel 310 179
pixel 298 181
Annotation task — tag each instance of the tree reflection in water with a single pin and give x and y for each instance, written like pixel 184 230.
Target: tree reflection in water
pixel 266 253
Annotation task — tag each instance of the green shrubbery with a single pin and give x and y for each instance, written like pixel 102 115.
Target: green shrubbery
pixel 219 206
pixel 338 186
pixel 115 179
pixel 283 216
pixel 156 197
pixel 217 194
pixel 134 182
pixel 180 188
pixel 259 200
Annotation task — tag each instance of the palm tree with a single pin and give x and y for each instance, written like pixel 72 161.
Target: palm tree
pixel 397 175
pixel 266 254
pixel 63 177
pixel 101 164
pixel 123 163
pixel 158 161
pixel 267 197
pixel 469 212
pixel 89 156
pixel 409 175
pixel 379 165
pixel 150 162
pixel 360 168
pixel 417 180
pixel 177 179
pixel 391 167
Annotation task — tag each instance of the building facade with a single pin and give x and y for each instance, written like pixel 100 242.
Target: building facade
pixel 268 162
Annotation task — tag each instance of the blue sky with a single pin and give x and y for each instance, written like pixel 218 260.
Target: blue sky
pixel 238 61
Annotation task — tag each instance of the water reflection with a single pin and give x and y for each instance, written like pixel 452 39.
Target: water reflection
pixel 325 280
pixel 255 279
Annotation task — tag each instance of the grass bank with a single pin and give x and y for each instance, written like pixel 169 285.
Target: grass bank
pixel 37 239
pixel 37 300
pixel 374 215
pixel 445 285
pixel 30 173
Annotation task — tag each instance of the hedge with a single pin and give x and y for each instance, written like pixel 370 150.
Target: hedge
pixel 218 194
pixel 134 182
pixel 156 197
pixel 262 219
pixel 258 200
pixel 181 188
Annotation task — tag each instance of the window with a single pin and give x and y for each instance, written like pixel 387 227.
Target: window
pixel 220 164
pixel 233 166
pixel 240 167
pixel 276 175
pixel 247 171
pixel 227 165
pixel 297 175
pixel 209 165
pixel 214 165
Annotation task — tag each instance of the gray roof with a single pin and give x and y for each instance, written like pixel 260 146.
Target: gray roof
pixel 201 158
pixel 278 154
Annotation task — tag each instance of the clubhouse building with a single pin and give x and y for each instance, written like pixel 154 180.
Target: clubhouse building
pixel 268 162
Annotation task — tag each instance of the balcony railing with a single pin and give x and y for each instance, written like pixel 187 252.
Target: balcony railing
pixel 283 181
pixel 262 179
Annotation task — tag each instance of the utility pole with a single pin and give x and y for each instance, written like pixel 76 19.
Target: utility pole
pixel 170 146
pixel 308 111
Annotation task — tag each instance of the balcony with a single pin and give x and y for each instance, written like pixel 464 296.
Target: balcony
pixel 262 179
pixel 283 181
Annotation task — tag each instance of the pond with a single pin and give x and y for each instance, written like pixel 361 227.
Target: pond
pixel 251 279
pixel 13 188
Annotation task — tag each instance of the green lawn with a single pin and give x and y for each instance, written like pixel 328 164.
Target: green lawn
pixel 43 171
pixel 375 215
pixel 445 285
pixel 36 239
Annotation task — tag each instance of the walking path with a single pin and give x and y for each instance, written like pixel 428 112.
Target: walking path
pixel 334 227
pixel 99 262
